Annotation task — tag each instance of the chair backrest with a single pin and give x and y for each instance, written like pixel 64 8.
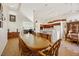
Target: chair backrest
pixel 54 49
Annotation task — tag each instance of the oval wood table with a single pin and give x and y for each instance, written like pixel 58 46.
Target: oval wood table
pixel 34 43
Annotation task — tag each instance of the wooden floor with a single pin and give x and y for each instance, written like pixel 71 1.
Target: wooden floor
pixel 69 49
pixel 12 49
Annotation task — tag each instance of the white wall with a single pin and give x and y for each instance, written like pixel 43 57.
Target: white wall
pixel 3 33
pixel 24 22
pixel 10 25
pixel 3 37
pixel 28 25
pixel 20 18
pixel 13 26
pixel 27 11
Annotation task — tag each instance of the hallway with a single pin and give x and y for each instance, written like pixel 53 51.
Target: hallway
pixel 12 48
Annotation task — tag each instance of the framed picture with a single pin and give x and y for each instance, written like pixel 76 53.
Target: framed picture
pixel 12 18
pixel 1 24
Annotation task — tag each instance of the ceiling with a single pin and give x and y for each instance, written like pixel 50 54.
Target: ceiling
pixel 45 11
pixel 13 6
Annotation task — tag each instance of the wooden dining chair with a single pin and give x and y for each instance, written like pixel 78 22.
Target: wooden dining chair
pixel 51 50
pixel 24 50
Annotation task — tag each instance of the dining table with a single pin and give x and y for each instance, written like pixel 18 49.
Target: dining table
pixel 33 42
